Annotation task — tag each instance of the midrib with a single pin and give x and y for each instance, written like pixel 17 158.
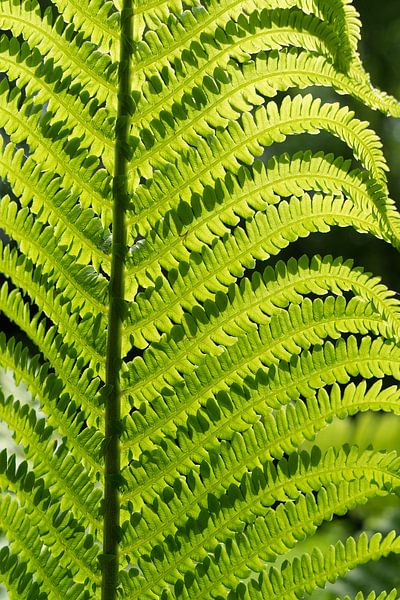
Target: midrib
pixel 112 473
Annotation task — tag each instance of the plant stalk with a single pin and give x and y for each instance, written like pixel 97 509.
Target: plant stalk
pixel 111 531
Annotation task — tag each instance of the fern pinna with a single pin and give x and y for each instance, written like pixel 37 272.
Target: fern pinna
pixel 176 365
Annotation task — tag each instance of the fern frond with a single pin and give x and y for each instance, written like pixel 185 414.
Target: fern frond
pixel 68 479
pixel 47 142
pixel 79 230
pixel 13 305
pixel 217 268
pixel 186 123
pixel 97 20
pixel 253 301
pixel 172 386
pixel 245 446
pixel 26 541
pixel 214 484
pixel 197 478
pixel 61 412
pixel 79 554
pixel 284 336
pixel 18 579
pixel 156 142
pixel 170 243
pixel 85 335
pixel 64 99
pixel 241 142
pixel 238 90
pixel 80 383
pixel 189 227
pixel 255 491
pixel 261 541
pixel 307 572
pixel 268 438
pixel 85 288
pixel 54 38
pixel 374 596
pixel 329 363
pixel 242 32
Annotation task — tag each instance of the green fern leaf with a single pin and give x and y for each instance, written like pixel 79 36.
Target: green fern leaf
pixel 170 368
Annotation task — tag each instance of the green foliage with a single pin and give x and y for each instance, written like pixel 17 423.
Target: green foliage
pixel 182 361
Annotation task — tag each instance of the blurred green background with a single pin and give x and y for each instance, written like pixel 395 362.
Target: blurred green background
pixel 380 50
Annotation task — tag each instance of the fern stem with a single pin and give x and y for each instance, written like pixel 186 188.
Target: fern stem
pixel 116 314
